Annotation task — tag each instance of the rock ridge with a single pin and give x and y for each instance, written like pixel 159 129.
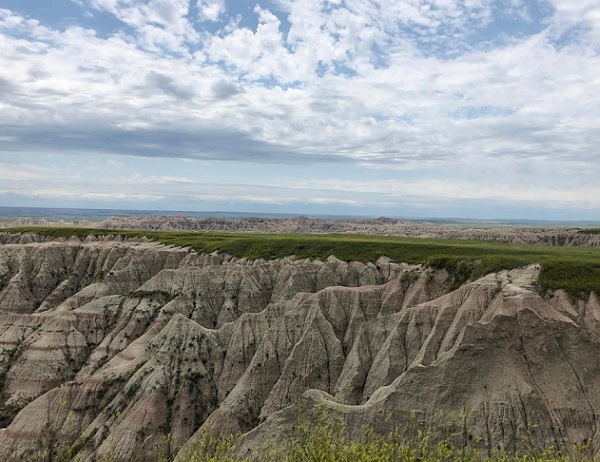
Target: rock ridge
pixel 545 235
pixel 117 343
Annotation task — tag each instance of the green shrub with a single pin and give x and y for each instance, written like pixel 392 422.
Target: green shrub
pixel 208 448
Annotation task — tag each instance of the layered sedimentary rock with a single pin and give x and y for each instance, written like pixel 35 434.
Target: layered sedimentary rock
pixel 111 345
pixel 549 235
pixel 125 342
pixel 492 360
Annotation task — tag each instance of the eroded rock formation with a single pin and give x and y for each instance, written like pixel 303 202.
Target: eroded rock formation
pixel 545 235
pixel 115 344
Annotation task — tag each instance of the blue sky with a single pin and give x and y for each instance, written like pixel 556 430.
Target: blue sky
pixel 419 108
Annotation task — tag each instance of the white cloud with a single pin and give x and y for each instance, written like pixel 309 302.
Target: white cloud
pixel 258 54
pixel 139 179
pixel 581 10
pixel 398 86
pixel 23 172
pixel 159 23
pixel 557 196
pixel 211 10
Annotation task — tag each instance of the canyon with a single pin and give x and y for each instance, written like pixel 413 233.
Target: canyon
pixel 109 344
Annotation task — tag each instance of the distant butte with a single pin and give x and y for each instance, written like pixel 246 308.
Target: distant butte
pixel 382 226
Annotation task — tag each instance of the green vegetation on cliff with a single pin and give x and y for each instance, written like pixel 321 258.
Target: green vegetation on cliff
pixel 319 439
pixel 575 269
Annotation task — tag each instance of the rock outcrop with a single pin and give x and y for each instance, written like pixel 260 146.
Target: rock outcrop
pixel 112 345
pixel 492 360
pixel 125 342
pixel 543 235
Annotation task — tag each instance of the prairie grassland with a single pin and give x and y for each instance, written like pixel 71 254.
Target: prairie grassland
pixel 575 269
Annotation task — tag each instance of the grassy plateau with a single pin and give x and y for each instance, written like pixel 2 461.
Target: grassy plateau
pixel 575 269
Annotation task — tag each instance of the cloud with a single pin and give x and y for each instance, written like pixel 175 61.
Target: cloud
pixel 415 110
pixel 582 10
pixel 210 10
pixel 202 143
pixel 416 197
pixel 156 23
pixel 23 172
pixel 139 179
pixel 257 54
pixel 6 88
pixel 168 85
pixel 223 89
pixel 439 88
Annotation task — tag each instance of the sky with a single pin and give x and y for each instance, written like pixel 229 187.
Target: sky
pixel 406 108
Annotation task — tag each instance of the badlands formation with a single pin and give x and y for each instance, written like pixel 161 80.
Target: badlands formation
pixel 305 225
pixel 114 344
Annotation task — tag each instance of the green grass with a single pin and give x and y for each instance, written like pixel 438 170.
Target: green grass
pixel 589 231
pixel 575 269
pixel 317 437
pixel 314 438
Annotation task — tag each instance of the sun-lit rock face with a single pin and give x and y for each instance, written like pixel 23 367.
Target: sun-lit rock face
pixel 123 342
